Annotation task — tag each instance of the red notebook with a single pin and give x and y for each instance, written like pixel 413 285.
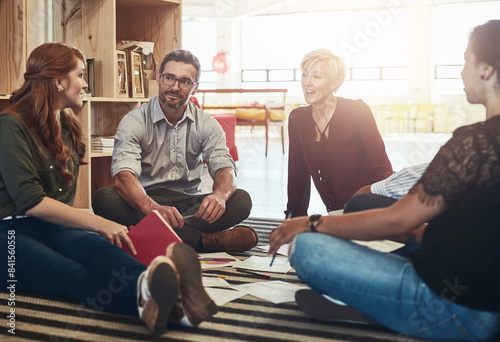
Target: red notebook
pixel 151 237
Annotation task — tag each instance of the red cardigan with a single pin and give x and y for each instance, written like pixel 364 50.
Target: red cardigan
pixel 354 156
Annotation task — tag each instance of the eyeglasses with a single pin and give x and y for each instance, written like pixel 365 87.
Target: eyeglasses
pixel 184 83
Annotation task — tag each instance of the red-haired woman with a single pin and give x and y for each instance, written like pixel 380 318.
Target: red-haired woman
pixel 53 248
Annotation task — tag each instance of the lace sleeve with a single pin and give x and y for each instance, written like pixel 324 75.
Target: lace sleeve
pixel 469 159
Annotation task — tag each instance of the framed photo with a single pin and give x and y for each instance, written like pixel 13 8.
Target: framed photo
pixel 90 77
pixel 121 74
pixel 136 78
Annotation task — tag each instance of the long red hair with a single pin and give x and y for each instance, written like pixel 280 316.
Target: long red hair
pixel 37 97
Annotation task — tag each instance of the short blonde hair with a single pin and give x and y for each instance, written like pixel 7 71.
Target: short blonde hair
pixel 331 64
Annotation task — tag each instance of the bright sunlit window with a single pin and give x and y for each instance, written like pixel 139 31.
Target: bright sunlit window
pixel 200 37
pixel 452 26
pixel 372 43
pixel 375 45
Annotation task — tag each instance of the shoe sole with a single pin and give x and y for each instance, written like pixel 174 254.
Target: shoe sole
pixel 164 289
pixel 197 304
pixel 315 305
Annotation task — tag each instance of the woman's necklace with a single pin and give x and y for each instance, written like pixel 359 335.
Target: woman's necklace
pixel 323 139
pixel 323 133
pixel 323 136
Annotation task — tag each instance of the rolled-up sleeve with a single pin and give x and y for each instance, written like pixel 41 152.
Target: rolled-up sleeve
pixel 127 149
pixel 20 184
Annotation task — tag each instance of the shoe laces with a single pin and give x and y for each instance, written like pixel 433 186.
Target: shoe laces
pixel 214 240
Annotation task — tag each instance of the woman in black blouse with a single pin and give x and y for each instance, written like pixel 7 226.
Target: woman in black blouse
pixel 449 287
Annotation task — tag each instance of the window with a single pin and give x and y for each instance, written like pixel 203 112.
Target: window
pixel 372 43
pixel 200 37
pixel 452 26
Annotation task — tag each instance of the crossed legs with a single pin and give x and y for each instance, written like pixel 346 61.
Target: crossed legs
pixel 386 288
pixel 107 203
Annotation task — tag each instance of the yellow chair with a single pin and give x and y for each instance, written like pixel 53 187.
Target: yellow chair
pixel 440 119
pixel 266 115
pixel 257 114
pixel 400 113
pixel 425 114
pixel 379 112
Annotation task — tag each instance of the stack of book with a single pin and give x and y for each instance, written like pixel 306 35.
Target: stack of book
pixel 103 143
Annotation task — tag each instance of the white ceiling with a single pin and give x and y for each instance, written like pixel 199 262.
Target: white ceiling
pixel 242 8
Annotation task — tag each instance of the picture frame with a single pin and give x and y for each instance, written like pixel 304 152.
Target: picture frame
pixel 90 77
pixel 135 72
pixel 122 77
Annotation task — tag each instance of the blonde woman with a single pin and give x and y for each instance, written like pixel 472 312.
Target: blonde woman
pixel 448 288
pixel 334 140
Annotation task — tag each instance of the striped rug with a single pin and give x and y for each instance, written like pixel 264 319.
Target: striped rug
pixel 245 319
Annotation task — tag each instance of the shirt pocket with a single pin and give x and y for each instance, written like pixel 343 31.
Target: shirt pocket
pixel 52 182
pixel 194 154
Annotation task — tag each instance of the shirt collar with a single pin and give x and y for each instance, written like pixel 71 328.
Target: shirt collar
pixel 158 112
pixel 190 110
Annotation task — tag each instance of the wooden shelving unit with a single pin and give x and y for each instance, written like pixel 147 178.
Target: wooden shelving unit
pixel 94 26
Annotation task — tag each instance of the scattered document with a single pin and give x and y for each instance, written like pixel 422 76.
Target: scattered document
pixel 283 250
pixel 273 291
pixel 385 246
pixel 214 260
pixel 214 282
pixel 223 296
pixel 261 264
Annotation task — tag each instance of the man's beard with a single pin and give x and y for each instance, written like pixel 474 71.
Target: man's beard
pixel 175 104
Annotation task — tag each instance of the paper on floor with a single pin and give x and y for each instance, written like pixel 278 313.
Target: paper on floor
pixel 214 260
pixel 257 263
pixel 273 291
pixel 223 296
pixel 385 246
pixel 214 282
pixel 283 250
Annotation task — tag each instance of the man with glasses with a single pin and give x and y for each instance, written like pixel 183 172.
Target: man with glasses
pixel 157 163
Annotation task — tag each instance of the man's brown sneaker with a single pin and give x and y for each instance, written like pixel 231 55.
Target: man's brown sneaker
pixel 237 239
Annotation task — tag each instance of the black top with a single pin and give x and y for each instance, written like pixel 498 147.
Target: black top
pixel 460 254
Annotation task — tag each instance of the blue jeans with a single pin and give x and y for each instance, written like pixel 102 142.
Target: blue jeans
pixel 71 265
pixel 385 287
